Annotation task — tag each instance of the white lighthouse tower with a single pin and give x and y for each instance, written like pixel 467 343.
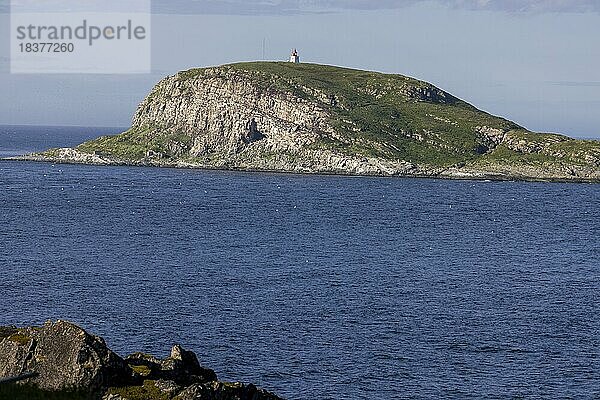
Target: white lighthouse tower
pixel 294 57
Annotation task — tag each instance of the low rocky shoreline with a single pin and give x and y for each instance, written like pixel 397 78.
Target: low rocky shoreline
pixel 373 169
pixel 64 358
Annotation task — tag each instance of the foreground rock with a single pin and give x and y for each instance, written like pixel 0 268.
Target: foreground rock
pixel 63 355
pixel 67 358
pixel 308 118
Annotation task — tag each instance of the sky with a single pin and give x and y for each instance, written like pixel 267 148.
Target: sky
pixel 534 62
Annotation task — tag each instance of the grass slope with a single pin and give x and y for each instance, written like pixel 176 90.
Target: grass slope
pixel 387 116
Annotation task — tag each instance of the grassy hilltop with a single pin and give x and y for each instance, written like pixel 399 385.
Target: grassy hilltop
pixel 195 116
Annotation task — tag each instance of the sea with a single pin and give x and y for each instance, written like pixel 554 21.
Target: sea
pixel 312 287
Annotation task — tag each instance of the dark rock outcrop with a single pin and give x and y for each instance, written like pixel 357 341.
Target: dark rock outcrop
pixel 181 367
pixel 199 391
pixel 64 357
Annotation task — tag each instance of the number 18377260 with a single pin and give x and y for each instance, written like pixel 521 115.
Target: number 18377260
pixel 46 47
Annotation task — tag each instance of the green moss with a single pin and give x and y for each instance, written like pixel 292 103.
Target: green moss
pixel 232 385
pixel 142 370
pixel 19 338
pixel 147 391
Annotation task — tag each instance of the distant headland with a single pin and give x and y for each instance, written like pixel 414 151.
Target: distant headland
pixel 308 118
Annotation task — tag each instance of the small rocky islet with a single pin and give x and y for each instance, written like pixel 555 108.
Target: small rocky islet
pixel 309 118
pixel 66 362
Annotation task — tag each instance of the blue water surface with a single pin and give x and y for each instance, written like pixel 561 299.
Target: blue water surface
pixel 314 287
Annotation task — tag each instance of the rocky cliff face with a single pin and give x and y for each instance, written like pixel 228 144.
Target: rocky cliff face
pixel 211 113
pixel 214 111
pixel 319 119
pixel 65 358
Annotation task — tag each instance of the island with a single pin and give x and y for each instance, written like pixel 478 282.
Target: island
pixel 62 361
pixel 309 118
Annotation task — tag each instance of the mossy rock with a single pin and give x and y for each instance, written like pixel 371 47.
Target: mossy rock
pixel 142 370
pixel 147 391
pixel 19 338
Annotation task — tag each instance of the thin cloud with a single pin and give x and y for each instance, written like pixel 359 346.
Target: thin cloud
pixel 278 7
pixel 312 6
pixel 529 6
pixel 66 6
pixel 578 6
pixel 576 84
